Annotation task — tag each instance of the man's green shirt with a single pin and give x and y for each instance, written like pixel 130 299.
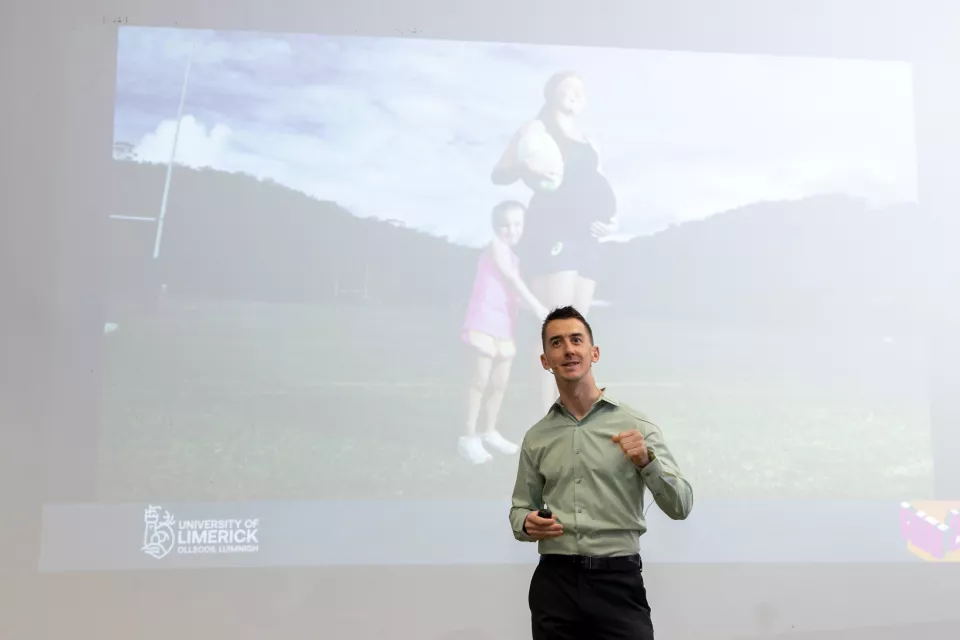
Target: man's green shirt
pixel 590 485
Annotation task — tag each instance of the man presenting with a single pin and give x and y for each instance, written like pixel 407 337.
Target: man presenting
pixel 589 460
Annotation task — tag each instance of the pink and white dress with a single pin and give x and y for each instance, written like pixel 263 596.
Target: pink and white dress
pixel 492 309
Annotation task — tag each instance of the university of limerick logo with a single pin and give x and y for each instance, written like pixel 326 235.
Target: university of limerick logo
pixel 931 530
pixel 158 534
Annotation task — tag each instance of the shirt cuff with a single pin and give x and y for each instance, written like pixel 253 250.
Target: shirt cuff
pixel 520 534
pixel 653 469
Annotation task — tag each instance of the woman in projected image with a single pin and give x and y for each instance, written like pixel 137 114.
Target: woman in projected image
pixel 572 208
pixel 488 328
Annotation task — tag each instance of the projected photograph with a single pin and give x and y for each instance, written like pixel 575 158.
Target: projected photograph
pixel 329 259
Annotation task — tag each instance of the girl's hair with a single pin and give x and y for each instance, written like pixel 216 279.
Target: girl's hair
pixel 499 215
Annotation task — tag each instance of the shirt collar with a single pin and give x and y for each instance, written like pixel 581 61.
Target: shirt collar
pixel 604 398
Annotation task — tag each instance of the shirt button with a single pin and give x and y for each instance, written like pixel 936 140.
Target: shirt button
pixel 579 510
pixel 577 452
pixel 578 480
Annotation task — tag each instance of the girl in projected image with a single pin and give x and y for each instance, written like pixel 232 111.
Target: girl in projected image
pixel 572 208
pixel 489 329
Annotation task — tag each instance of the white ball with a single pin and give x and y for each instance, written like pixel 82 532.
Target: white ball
pixel 539 152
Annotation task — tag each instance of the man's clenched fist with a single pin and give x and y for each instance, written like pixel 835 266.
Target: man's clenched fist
pixel 634 447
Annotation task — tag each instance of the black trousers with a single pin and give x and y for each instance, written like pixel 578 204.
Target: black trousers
pixel 569 601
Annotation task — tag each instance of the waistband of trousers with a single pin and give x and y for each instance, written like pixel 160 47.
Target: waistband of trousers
pixel 612 563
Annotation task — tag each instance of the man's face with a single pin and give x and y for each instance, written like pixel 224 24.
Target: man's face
pixel 568 350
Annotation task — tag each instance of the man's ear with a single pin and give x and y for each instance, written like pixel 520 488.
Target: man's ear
pixel 544 363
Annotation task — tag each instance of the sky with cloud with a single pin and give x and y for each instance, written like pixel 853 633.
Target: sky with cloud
pixel 407 129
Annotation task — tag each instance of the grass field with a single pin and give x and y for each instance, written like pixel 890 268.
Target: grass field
pixel 211 400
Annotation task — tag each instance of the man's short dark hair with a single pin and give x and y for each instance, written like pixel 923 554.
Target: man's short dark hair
pixel 563 313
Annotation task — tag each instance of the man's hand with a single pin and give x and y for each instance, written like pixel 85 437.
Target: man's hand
pixel 539 528
pixel 634 447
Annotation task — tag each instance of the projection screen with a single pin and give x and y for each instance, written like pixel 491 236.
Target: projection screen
pixel 294 227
